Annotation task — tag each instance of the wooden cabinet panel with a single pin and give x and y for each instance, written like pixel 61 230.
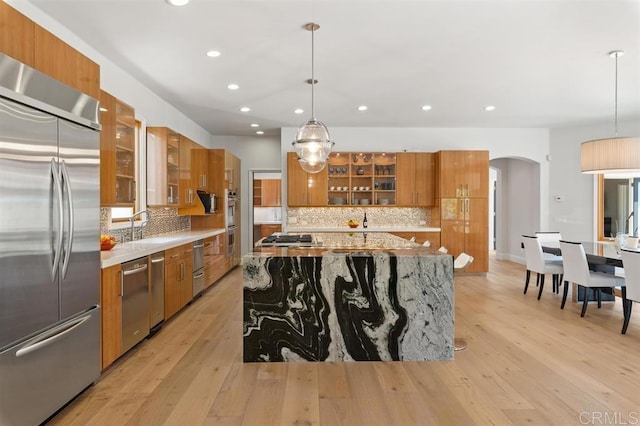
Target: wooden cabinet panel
pixel 405 178
pixel 17 35
pixel 111 312
pixel 305 189
pixel 463 174
pixel 268 229
pixel 187 192
pixel 271 191
pixel 415 179
pixel 172 278
pixel 199 167
pixel 464 227
pixel 296 182
pixel 64 63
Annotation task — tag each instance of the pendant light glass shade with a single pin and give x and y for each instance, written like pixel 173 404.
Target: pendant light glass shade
pixel 611 155
pixel 313 143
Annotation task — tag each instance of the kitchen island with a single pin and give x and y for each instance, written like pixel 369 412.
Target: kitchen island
pixel 355 297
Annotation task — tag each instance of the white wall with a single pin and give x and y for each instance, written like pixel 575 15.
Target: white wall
pixel 150 108
pixel 523 170
pixel 575 217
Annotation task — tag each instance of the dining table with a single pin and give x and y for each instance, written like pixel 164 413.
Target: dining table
pixel 600 254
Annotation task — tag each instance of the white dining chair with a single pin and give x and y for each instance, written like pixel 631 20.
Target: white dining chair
pixel 443 249
pixel 631 263
pixel 576 270
pixel 536 263
pixel 546 237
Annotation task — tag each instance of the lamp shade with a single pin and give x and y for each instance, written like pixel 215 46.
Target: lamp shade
pixel 613 155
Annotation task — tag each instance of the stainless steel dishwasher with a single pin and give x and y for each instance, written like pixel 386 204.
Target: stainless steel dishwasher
pixel 135 302
pixel 198 267
pixel 156 314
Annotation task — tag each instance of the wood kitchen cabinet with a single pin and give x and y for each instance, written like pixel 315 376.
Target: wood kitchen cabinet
pixel 117 153
pixel 463 174
pixel 267 229
pixel 463 190
pixel 415 179
pixel 178 284
pixel 199 168
pixel 215 260
pixel 187 189
pixel 111 312
pixel 305 189
pixel 271 190
pixel 17 34
pixel 163 166
pixel 26 41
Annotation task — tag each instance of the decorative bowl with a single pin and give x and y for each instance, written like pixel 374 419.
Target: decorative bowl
pixel 353 225
pixel 107 245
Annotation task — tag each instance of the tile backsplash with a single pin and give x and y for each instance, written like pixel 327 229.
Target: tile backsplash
pixel 161 221
pixel 376 216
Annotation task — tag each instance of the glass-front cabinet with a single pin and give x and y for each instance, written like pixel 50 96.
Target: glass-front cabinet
pixel 361 178
pixel 163 148
pixel 117 153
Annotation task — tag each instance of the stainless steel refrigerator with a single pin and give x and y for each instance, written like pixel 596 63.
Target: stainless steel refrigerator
pixel 49 244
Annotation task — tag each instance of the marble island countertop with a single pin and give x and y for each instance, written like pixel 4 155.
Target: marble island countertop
pixel 349 242
pixel 383 299
pixel 124 252
pixel 345 228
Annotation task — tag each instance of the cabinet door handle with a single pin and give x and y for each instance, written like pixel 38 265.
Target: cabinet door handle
pixel 466 202
pixel 466 190
pixel 462 206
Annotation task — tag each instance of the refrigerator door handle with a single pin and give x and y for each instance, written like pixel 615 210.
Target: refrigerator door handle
pixel 55 173
pixel 50 338
pixel 67 182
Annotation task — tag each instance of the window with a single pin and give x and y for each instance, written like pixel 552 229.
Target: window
pixel 618 205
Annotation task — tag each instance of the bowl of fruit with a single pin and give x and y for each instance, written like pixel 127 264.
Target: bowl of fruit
pixel 107 242
pixel 353 224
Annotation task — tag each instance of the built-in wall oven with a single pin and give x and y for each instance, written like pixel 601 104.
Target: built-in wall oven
pixel 230 201
pixel 231 240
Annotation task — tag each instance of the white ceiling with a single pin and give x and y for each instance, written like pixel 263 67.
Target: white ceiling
pixel 541 63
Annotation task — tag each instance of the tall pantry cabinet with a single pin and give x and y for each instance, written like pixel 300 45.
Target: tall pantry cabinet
pixel 463 195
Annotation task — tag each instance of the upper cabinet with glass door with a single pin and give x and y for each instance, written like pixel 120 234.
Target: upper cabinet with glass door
pixel 117 153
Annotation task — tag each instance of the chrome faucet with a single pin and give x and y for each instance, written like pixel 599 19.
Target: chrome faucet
pixel 132 219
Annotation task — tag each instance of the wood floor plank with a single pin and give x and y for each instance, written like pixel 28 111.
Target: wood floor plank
pixel 527 362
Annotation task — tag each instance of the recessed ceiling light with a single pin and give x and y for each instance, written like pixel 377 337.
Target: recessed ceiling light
pixel 362 108
pixel 255 125
pixel 213 53
pixel 233 86
pixel 298 111
pixel 259 132
pixel 426 107
pixel 489 108
pixel 177 2
pixel 245 109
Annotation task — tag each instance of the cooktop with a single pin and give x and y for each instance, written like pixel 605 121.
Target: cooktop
pixel 285 240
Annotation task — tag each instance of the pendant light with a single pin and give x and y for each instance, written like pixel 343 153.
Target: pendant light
pixel 313 143
pixel 612 155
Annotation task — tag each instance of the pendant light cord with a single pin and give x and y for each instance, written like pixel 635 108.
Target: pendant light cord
pixel 313 81
pixel 615 114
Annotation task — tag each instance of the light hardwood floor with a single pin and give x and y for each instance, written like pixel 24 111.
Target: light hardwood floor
pixel 527 362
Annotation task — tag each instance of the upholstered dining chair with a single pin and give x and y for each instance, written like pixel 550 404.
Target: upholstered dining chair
pixel 461 263
pixel 536 263
pixel 549 236
pixel 576 270
pixel 631 263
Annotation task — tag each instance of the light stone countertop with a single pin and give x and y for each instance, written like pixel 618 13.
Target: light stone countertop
pixel 124 252
pixel 311 228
